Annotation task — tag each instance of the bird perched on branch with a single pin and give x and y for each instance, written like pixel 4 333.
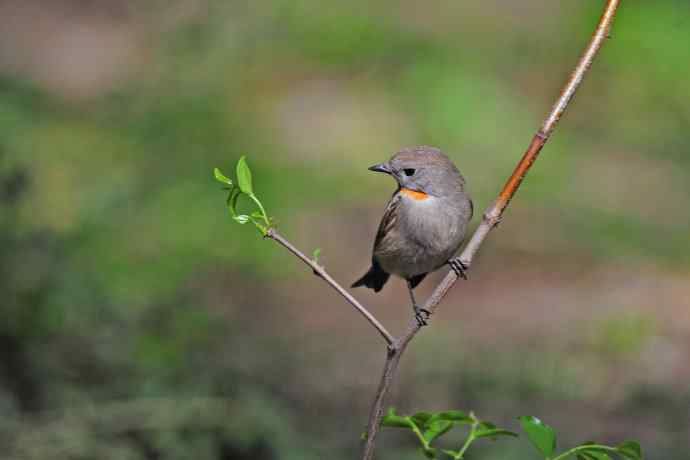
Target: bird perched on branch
pixel 424 223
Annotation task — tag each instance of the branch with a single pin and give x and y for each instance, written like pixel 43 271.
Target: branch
pixel 491 218
pixel 321 272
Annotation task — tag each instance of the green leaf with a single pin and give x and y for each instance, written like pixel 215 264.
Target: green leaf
pixel 436 429
pixel 220 177
pixel 455 416
pixel 590 454
pixel 257 215
pixel 493 433
pixel 485 426
pixel 593 451
pixel 244 176
pixel 233 196
pixel 630 449
pixel 594 447
pixel 541 435
pixel 393 420
pixel 421 418
pixel 242 218
pixel 316 254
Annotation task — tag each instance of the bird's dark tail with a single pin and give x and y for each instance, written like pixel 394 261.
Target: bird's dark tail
pixel 374 279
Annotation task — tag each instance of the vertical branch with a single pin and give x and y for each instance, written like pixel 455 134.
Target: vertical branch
pixel 490 218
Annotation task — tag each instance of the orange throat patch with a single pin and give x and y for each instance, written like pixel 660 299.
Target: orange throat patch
pixel 415 195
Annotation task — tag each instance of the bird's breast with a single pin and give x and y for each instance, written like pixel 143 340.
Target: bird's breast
pixel 429 231
pixel 435 223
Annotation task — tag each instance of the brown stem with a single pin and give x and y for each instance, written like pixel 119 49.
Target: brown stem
pixel 490 219
pixel 321 272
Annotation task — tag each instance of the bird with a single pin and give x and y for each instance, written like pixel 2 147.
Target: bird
pixel 424 223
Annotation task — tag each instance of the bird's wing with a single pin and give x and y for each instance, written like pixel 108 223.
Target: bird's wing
pixel 388 221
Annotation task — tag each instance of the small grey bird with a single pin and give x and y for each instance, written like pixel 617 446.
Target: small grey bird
pixel 424 224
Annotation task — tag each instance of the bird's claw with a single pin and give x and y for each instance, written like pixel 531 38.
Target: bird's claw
pixel 458 267
pixel 421 315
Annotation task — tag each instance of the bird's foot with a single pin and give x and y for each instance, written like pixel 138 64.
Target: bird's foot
pixel 421 315
pixel 458 267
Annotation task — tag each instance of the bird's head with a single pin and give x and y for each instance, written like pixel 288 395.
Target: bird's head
pixel 424 170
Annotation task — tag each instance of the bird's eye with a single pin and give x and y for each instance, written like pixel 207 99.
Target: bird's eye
pixel 409 171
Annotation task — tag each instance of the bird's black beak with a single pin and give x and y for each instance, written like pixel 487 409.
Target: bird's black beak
pixel 382 168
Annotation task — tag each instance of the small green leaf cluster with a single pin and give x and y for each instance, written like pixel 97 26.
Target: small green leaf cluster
pixel 245 187
pixel 428 427
pixel 543 437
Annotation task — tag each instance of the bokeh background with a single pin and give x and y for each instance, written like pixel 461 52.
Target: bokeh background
pixel 141 322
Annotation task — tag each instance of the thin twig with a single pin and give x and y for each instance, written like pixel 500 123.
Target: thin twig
pixel 490 219
pixel 321 272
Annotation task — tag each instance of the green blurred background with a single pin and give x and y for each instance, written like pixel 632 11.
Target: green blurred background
pixel 140 322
